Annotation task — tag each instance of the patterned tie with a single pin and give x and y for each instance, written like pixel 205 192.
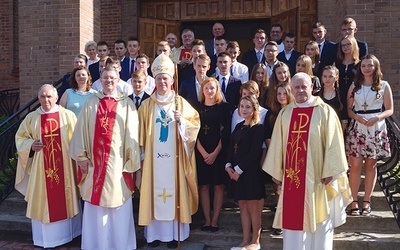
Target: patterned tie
pixel 132 66
pixel 137 98
pixel 223 85
pixel 259 56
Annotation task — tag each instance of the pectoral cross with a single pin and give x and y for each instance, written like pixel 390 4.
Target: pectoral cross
pixel 164 195
pixel 235 148
pixel 206 128
pixel 365 105
pixel 346 78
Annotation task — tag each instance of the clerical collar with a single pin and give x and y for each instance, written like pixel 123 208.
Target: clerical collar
pixel 164 98
pixel 53 110
pixel 308 103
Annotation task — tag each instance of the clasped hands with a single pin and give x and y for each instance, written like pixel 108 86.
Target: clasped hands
pixel 368 122
pixel 232 174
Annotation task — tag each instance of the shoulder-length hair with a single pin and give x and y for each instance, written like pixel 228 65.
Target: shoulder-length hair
pixel 218 94
pixel 355 51
pixel 307 60
pixel 74 83
pixel 254 102
pixel 377 76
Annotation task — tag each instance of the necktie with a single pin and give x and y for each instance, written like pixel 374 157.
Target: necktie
pixel 319 47
pixel 132 66
pixel 258 56
pixel 232 70
pixel 137 98
pixel 223 85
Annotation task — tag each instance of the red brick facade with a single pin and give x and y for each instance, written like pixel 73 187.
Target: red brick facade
pixel 40 38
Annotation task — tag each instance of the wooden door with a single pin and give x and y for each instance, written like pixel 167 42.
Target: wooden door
pixel 288 20
pixel 152 31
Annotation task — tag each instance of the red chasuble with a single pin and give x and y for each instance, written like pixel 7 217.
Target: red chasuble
pixel 53 166
pixel 295 169
pixel 103 132
pixel 185 54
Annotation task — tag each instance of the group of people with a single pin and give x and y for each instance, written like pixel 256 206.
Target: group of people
pixel 200 123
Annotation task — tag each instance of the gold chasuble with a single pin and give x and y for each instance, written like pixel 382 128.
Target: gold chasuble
pixel 110 142
pixel 160 179
pixel 48 178
pixel 306 146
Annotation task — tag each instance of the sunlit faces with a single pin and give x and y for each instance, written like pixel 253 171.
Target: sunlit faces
pixel 329 77
pixel 346 46
pixel 133 48
pixel 289 43
pixel 47 98
pixel 282 96
pixel 234 52
pixel 218 30
pixel 163 83
pixel 259 40
pixel 187 38
pixel 201 67
pixel 220 45
pixel 91 52
pixel 102 51
pixel 348 29
pixel 197 50
pixel 270 53
pixel 81 77
pixel 109 80
pixel 224 64
pixel 246 109
pixel 310 51
pixel 367 67
pixel 209 90
pixel 300 66
pixel 319 34
pixel 301 89
pixel 79 62
pixel 138 84
pixel 166 49
pixel 142 64
pixel 171 39
pixel 260 74
pixel 282 74
pixel 120 50
pixel 275 33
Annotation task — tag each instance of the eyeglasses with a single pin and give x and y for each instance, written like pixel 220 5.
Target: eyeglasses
pixel 346 45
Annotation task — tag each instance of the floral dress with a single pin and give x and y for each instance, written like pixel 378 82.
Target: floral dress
pixel 368 142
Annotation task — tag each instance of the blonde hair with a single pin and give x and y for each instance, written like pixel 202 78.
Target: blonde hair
pixel 256 108
pixel 218 96
pixel 307 60
pixel 251 86
pixel 355 51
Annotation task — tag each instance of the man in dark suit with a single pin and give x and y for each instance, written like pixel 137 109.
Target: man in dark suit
pixel 190 88
pixel 102 50
pixel 349 28
pixel 230 86
pixel 256 55
pixel 120 51
pixel 217 30
pixel 138 85
pixel 327 49
pixel 289 55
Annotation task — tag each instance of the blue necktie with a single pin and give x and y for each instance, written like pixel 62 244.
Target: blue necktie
pixel 137 98
pixel 223 85
pixel 259 56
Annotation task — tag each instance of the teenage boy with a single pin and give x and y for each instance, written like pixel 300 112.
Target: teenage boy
pixel 256 55
pixel 289 55
pixel 143 63
pixel 230 86
pixel 120 51
pixel 133 50
pixel 139 82
pixel 271 54
pixel 238 70
pixel 103 50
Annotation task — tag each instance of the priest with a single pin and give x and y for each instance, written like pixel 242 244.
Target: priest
pixel 105 146
pixel 168 132
pixel 306 155
pixel 45 172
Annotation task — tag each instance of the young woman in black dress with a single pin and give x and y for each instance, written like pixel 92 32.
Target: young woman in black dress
pixel 243 168
pixel 212 141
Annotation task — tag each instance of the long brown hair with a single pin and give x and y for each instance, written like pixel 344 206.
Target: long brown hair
pixel 72 79
pixel 275 105
pixel 273 82
pixel 256 115
pixel 377 76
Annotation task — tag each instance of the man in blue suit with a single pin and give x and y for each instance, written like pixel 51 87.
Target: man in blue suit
pixel 256 55
pixel 327 49
pixel 289 55
pixel 230 86
pixel 190 88
pixel 120 51
pixel 217 30
pixel 103 50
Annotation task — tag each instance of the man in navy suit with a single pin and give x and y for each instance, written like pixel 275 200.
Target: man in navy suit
pixel 120 51
pixel 217 30
pixel 138 84
pixel 327 49
pixel 190 88
pixel 349 28
pixel 102 50
pixel 289 55
pixel 256 55
pixel 230 86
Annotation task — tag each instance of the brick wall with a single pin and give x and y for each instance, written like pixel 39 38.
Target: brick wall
pixel 378 24
pixel 8 50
